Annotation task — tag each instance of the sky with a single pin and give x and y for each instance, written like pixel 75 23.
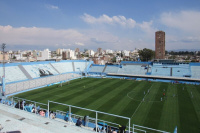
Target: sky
pixel 92 24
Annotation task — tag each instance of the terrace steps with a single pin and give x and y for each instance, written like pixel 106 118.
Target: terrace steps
pixel 13 119
pixel 25 72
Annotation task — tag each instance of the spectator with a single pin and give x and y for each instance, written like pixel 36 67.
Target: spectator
pixel 23 102
pixel 122 129
pixel 42 113
pixel 114 131
pixel 79 122
pixel 66 116
pixel 21 105
pixel 33 110
pixel 109 130
pixel 52 115
pixel 38 108
pixel 17 105
pixel 103 130
pixel 86 120
pixel 97 129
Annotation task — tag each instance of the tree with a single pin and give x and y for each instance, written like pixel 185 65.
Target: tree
pixel 172 57
pixel 14 57
pixel 113 59
pixel 146 54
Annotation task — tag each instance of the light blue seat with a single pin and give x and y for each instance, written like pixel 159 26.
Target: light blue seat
pixel 111 69
pixel 13 74
pixel 195 71
pixel 80 66
pixel 63 67
pixel 34 70
pixel 98 69
pixel 132 69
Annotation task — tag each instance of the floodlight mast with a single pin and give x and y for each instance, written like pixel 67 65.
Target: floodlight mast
pixel 4 72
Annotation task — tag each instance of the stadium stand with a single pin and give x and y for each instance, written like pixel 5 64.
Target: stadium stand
pixel 18 72
pixel 21 77
pixel 132 69
pixel 88 64
pixel 148 68
pixel 136 62
pixel 195 70
pixel 80 66
pixel 96 69
pixel 18 87
pixel 63 67
pixel 13 73
pixel 111 69
pixel 181 72
pixel 160 71
pixel 25 72
pixel 18 105
pixel 28 75
pixel 39 70
pixel 174 70
pixel 15 120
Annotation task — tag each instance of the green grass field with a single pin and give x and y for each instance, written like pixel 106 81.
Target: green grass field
pixel 138 100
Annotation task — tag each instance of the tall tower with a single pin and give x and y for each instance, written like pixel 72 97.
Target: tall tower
pixel 160 45
pixel 99 50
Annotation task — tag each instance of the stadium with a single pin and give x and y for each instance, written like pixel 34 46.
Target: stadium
pixel 139 96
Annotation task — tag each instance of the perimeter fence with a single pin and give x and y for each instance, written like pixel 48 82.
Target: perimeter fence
pixel 39 82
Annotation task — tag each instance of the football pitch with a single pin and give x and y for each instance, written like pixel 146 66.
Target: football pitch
pixel 156 105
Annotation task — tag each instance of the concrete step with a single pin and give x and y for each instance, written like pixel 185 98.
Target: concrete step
pixel 13 119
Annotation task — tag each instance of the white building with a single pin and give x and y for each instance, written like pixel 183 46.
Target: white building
pixel 91 53
pixel 10 51
pixel 108 51
pixel 136 50
pixel 68 54
pixel 44 55
pixel 20 55
pixel 71 54
pixel 59 51
pixel 126 53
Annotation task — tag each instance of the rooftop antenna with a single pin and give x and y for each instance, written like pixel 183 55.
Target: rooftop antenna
pixel 4 72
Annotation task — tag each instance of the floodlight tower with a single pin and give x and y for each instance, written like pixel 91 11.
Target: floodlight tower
pixel 4 72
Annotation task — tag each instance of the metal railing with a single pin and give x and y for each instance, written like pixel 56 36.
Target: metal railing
pixel 12 101
pixel 97 112
pixel 89 120
pixel 142 128
pixel 17 100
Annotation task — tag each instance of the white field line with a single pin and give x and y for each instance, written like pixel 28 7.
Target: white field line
pixel 128 95
pixel 140 104
pixel 139 100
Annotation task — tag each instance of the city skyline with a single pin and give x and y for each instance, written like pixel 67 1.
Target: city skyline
pixel 92 24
